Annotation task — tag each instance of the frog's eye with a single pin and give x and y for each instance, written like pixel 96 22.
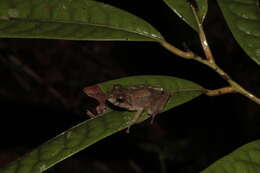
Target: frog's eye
pixel 117 86
pixel 120 99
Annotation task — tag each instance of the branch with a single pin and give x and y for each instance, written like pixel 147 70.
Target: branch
pixel 202 36
pixel 210 62
pixel 220 91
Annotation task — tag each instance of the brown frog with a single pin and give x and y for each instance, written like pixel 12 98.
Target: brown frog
pixel 139 99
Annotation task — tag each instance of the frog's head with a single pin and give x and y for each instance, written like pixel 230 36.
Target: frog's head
pixel 118 96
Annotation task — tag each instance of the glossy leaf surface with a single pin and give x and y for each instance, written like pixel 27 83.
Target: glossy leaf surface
pixel 244 159
pixel 183 10
pixel 87 133
pixel 243 19
pixel 71 20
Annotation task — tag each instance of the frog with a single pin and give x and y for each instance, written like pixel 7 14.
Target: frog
pixel 139 99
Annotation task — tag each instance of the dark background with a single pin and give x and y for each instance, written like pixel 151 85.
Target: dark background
pixel 189 137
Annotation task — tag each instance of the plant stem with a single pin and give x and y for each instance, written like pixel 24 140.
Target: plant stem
pixel 208 92
pixel 234 84
pixel 210 62
pixel 220 91
pixel 189 55
pixel 203 38
pixel 173 49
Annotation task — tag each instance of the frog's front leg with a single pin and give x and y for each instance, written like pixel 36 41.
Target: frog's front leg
pixel 135 118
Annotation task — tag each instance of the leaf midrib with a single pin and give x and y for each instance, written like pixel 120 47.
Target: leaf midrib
pixel 157 39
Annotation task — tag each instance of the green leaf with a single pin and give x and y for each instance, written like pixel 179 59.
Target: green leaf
pixel 243 19
pixel 183 10
pixel 72 20
pixel 246 159
pixel 87 133
pixel 167 82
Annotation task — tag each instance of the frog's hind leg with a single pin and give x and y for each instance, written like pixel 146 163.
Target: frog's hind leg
pixel 156 111
pixel 153 117
pixel 135 118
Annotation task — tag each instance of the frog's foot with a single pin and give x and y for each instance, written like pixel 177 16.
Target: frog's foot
pixel 90 114
pixel 128 129
pixel 153 117
pixel 135 118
